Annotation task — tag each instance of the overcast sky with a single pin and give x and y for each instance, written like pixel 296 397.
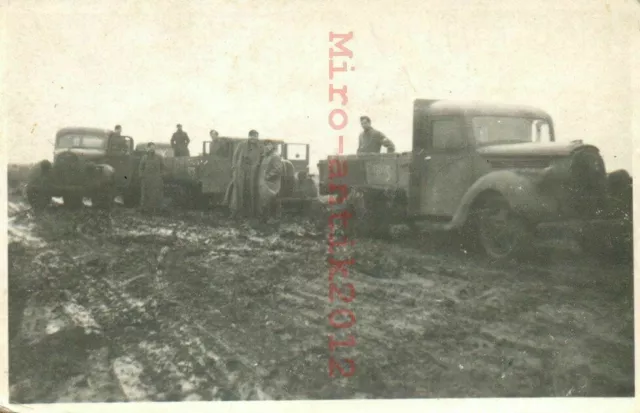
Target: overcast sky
pixel 241 65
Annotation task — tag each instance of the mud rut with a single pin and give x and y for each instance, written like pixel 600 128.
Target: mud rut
pixel 189 307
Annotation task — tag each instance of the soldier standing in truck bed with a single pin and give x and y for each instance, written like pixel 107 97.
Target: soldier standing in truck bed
pixel 117 142
pixel 372 140
pixel 180 142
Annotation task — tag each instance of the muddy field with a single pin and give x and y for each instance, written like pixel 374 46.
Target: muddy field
pixel 192 307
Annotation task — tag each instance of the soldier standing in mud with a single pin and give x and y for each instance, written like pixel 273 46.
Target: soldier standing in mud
pixel 372 140
pixel 269 181
pixel 151 168
pixel 241 193
pixel 180 142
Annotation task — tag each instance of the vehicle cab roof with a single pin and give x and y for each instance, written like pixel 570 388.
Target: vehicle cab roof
pixel 244 139
pixel 476 108
pixel 163 145
pixel 83 130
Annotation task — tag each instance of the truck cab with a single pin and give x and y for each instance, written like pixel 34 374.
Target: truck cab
pixel 87 162
pixel 493 171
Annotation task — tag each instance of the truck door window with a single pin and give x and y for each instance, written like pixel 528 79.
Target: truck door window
pixel 296 152
pixel 447 134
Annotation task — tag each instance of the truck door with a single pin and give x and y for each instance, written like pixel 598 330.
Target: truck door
pixel 442 165
pixel 119 156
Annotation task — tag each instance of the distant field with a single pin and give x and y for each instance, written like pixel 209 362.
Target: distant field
pixel 17 175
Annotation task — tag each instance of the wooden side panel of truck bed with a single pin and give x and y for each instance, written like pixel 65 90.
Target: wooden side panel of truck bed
pixel 370 171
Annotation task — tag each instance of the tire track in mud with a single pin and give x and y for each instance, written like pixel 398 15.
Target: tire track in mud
pixel 242 315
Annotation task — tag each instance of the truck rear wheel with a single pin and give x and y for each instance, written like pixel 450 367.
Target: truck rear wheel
pixel 131 197
pixel 371 216
pixel 502 234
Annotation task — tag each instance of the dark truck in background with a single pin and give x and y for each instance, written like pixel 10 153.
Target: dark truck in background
pixel 493 173
pixel 87 162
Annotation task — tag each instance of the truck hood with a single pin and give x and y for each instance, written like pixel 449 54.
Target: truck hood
pixel 532 149
pixel 84 153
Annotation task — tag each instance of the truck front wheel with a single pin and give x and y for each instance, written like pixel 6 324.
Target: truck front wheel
pixel 104 198
pixel 72 200
pixel 37 198
pixel 503 234
pixel 608 245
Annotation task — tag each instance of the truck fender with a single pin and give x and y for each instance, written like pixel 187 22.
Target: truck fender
pixel 519 190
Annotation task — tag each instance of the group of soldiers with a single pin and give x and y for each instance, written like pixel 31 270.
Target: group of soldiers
pixel 256 177
pixel 256 171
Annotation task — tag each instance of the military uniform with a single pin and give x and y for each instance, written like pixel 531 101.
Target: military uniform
pixel 151 168
pixel 241 194
pixel 180 143
pixel 372 140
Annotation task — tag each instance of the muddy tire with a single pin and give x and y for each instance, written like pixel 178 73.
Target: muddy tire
pixel 104 199
pixel 72 201
pixel 370 215
pixel 37 198
pixel 131 197
pixel 608 247
pixel 502 234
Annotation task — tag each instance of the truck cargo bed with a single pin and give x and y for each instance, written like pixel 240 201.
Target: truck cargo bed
pixel 374 171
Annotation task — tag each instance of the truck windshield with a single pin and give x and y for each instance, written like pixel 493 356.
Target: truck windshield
pixel 296 152
pixel 491 130
pixel 166 152
pixel 81 141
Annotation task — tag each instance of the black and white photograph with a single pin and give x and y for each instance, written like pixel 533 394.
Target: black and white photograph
pixel 304 200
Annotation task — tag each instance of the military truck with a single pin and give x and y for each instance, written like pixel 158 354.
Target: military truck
pixel 93 163
pixel 87 162
pixel 202 180
pixel 493 173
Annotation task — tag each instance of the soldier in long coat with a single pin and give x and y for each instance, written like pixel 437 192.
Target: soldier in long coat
pixel 269 182
pixel 150 172
pixel 241 194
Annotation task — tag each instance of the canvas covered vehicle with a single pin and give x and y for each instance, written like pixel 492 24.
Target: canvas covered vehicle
pixel 493 172
pixel 88 162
